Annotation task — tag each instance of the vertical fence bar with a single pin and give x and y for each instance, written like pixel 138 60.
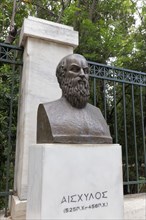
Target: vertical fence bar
pixel 125 134
pixel 115 113
pixel 105 100
pixel 143 130
pixel 135 141
pixel 9 139
pixel 94 92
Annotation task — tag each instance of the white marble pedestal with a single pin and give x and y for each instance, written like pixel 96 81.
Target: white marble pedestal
pixel 75 182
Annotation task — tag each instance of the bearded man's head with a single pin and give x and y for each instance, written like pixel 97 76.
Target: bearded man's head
pixel 73 74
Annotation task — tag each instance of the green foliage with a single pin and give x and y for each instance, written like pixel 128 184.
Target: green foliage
pixel 103 29
pixel 107 29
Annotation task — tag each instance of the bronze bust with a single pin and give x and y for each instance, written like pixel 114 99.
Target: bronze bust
pixel 71 119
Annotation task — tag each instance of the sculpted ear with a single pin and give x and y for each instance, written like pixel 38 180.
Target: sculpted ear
pixel 62 70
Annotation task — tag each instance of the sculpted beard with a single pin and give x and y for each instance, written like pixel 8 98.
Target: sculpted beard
pixel 76 91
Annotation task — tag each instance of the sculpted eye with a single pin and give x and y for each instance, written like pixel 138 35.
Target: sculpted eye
pixel 86 70
pixel 75 68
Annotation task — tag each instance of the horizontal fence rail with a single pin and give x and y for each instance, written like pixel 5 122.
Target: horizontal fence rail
pixel 123 94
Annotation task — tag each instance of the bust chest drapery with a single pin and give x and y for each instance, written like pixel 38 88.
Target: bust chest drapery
pixel 59 122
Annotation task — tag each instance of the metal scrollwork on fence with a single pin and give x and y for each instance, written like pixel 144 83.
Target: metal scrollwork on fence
pixel 8 54
pixel 110 73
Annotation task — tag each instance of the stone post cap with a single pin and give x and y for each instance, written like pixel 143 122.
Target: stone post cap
pixel 49 31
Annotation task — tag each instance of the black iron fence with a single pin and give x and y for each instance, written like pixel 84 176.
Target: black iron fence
pixel 10 69
pixel 119 93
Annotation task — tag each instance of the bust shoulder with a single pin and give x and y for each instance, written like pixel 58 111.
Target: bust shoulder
pixel 60 122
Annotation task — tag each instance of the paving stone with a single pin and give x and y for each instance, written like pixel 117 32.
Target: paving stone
pixel 135 207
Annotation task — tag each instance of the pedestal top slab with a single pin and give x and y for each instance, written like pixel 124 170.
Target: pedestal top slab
pixel 47 30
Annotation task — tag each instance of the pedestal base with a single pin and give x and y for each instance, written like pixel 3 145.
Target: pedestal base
pixel 17 208
pixel 75 182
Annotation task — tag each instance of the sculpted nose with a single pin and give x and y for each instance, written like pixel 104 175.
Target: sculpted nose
pixel 82 74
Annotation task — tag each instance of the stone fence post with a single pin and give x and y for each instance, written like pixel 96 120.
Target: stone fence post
pixel 45 43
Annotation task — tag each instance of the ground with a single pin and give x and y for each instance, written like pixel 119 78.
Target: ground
pixel 134 207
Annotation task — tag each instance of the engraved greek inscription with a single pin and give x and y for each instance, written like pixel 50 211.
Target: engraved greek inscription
pixel 72 198
pixel 103 194
pixel 86 196
pixel 63 200
pixel 91 196
pixel 80 197
pixel 98 195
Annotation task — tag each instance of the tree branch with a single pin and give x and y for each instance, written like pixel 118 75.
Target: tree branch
pixel 92 9
pixel 64 6
pixel 141 18
pixel 13 29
